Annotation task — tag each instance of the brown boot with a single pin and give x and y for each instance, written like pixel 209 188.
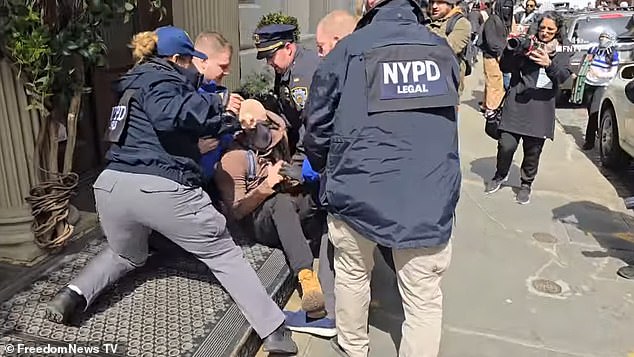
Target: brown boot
pixel 312 296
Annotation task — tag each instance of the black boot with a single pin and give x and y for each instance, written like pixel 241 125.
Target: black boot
pixel 64 305
pixel 280 342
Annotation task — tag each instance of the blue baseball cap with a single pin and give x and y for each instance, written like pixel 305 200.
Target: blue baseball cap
pixel 175 41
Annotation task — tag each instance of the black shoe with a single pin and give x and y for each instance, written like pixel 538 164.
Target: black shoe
pixel 64 305
pixel 523 195
pixel 588 145
pixel 494 185
pixel 280 342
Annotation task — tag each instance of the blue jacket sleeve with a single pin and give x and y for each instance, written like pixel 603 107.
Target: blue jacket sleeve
pixel 308 174
pixel 323 99
pixel 171 106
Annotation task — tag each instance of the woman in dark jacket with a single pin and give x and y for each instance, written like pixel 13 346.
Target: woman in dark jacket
pixel 152 183
pixel 529 111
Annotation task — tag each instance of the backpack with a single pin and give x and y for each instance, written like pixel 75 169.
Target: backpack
pixel 470 51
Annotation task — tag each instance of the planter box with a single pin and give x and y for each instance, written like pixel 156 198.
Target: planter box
pixel 18 133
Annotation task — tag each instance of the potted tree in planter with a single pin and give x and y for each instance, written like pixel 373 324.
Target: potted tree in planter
pixel 50 45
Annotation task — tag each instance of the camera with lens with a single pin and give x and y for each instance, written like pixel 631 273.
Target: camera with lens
pixel 229 123
pixel 523 44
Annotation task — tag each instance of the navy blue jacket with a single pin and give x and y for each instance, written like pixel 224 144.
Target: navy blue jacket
pixel 166 117
pixel 382 128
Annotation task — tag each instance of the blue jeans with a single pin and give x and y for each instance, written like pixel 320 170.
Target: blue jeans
pixel 506 77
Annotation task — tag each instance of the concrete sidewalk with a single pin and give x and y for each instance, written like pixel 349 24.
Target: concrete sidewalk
pixel 534 280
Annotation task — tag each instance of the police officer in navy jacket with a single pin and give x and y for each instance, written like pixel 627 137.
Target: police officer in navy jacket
pixel 381 126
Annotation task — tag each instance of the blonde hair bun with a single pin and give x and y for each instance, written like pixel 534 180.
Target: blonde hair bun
pixel 143 45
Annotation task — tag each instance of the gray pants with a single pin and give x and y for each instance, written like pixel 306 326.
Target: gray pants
pixel 130 206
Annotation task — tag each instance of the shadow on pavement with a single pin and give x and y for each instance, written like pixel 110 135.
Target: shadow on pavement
pixel 485 168
pixel 621 180
pixel 579 135
pixel 477 97
pixel 612 230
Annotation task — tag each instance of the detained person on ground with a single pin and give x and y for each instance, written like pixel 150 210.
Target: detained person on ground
pixel 528 113
pixel 261 199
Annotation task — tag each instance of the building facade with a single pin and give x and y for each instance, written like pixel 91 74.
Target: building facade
pixel 237 20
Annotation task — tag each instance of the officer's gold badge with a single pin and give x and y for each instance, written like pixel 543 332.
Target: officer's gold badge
pixel 300 94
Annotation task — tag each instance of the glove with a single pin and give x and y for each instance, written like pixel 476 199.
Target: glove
pixel 308 174
pixel 293 172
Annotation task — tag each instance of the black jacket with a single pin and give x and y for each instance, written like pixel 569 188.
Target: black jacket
pixel 387 143
pixel 530 104
pixel 166 118
pixel 496 29
pixel 476 20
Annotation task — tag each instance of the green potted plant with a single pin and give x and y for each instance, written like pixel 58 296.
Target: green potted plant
pixel 279 18
pixel 52 45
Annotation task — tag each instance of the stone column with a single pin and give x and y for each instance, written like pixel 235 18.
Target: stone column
pixel 18 133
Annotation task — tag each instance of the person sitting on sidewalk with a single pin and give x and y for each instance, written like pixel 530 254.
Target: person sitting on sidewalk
pixel 255 193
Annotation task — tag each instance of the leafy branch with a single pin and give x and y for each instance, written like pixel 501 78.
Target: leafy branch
pixel 52 44
pixel 280 18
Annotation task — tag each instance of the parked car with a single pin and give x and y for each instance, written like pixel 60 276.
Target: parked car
pixel 616 116
pixel 583 33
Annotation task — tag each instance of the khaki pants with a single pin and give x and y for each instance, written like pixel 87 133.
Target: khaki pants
pixel 418 272
pixel 493 84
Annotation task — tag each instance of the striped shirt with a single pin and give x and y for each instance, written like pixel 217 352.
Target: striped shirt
pixel 602 71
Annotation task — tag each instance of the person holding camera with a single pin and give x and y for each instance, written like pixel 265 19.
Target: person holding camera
pixel 528 114
pixel 153 183
pixel 258 193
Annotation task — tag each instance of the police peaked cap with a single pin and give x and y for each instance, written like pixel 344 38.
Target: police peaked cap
pixel 270 38
pixel 418 11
